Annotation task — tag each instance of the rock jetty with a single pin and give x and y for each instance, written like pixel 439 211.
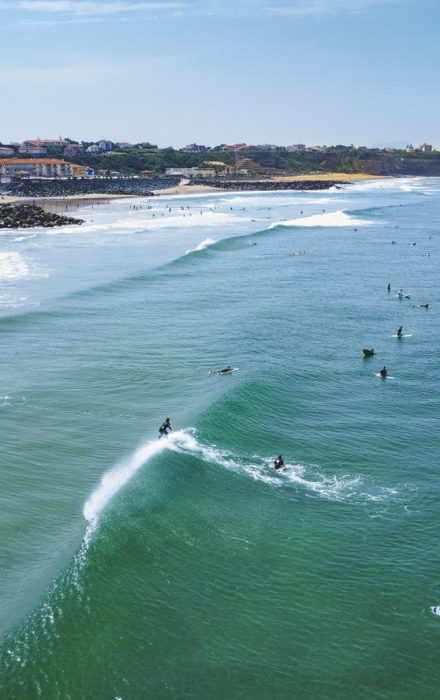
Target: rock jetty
pixel 139 186
pixel 268 185
pixel 30 215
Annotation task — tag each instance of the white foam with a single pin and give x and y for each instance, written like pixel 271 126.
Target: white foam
pixel 13 266
pixel 331 219
pixel 202 245
pixel 119 475
pixel 435 609
pixel 259 468
pixel 148 222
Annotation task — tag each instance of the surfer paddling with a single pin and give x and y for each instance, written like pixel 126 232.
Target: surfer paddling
pixel 225 370
pixel 279 462
pixel 368 352
pixel 165 428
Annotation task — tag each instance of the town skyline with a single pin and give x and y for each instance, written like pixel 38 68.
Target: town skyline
pixel 328 71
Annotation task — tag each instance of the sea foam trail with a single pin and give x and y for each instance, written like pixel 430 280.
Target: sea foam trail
pixel 114 480
pixel 259 468
pixel 330 219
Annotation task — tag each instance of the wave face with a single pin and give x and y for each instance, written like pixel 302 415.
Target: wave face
pixel 134 567
pixel 330 219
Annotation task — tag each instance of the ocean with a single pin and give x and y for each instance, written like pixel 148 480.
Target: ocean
pixel 187 567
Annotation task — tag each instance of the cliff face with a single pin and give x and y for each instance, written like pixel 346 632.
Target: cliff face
pixel 427 166
pixel 347 160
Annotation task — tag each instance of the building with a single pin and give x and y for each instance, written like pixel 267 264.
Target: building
pixel 296 147
pixel 426 148
pixel 6 152
pixel 73 149
pixel 93 148
pixel 235 147
pixel 32 148
pixel 182 172
pixel 123 145
pixel 105 146
pixel 194 148
pixel 32 167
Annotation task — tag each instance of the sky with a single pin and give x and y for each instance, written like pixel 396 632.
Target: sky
pixel 173 72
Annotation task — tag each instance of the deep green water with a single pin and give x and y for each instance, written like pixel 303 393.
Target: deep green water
pixel 187 568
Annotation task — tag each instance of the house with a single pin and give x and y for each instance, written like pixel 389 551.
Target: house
pixel 425 148
pixel 194 148
pixel 73 149
pixel 32 148
pixel 296 147
pixel 235 147
pixel 6 152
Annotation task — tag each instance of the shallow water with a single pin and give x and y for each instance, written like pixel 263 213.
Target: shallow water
pixel 186 567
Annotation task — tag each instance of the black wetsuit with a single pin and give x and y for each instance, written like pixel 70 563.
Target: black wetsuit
pixel 383 373
pixel 164 428
pixel 279 463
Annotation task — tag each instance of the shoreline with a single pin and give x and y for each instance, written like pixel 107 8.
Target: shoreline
pixel 77 201
pixel 340 178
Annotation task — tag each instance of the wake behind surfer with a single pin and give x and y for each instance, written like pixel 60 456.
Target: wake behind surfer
pixel 165 428
pixel 279 462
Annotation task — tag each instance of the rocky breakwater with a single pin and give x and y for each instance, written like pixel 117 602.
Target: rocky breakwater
pixel 30 215
pixel 268 185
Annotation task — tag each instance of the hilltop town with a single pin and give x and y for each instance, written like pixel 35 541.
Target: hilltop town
pixel 67 158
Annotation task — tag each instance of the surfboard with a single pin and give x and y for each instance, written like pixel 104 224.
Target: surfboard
pixel 218 371
pixel 404 335
pixel 378 374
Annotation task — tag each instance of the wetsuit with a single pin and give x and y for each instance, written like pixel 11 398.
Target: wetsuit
pixel 279 463
pixel 164 428
pixel 383 373
pixel 399 332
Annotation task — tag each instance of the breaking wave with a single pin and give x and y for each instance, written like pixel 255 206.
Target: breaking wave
pixel 331 219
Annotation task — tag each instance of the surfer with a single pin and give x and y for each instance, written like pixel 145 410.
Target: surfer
pixel 279 462
pixel 226 370
pixel 165 428
pixel 389 288
pixel 367 352
pixel 424 306
pixel 400 294
pixel 399 332
pixel 384 373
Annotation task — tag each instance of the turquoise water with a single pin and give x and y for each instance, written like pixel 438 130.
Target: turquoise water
pixel 187 568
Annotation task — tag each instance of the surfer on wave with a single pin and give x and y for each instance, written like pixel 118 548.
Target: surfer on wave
pixel 279 462
pixel 165 428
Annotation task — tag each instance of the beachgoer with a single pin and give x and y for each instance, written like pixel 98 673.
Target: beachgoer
pixel 384 373
pixel 399 332
pixel 279 462
pixel 164 428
